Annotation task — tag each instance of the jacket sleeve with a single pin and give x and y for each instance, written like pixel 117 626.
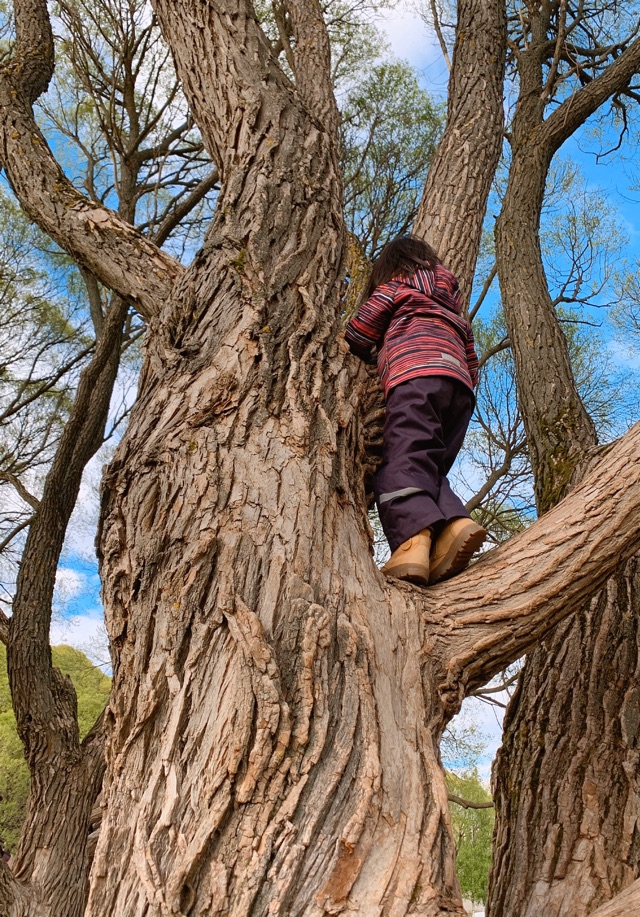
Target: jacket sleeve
pixel 472 358
pixel 367 329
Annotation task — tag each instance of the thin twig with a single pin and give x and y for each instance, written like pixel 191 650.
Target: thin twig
pixel 483 292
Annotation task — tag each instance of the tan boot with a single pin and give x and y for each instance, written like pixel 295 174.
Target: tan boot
pixel 411 560
pixel 454 548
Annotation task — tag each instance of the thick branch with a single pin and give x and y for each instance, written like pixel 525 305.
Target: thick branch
pixel 227 68
pixel 573 112
pixel 96 237
pixel 33 58
pixel 626 904
pixel 465 161
pixel 14 900
pixel 5 626
pixel 40 697
pixel 21 489
pixel 468 804
pixel 543 575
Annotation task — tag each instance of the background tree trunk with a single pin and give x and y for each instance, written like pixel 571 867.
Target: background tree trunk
pixel 454 202
pixel 565 778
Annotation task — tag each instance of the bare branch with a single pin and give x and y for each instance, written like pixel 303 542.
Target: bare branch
pixel 504 344
pixel 96 237
pixel 559 44
pixel 19 486
pixel 14 532
pixel 438 29
pixel 575 110
pixel 468 804
pixel 284 44
pixel 483 293
pixel 497 689
pixel 184 208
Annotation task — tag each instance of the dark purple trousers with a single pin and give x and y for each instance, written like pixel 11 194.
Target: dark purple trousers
pixel 424 428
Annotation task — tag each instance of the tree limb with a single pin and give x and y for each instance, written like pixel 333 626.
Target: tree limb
pixel 184 208
pixel 438 30
pixel 468 804
pixel 575 110
pixel 626 904
pixel 15 531
pixel 483 293
pixel 40 700
pixel 19 486
pixel 313 61
pixel 96 237
pixel 228 69
pixel 475 119
pixel 541 576
pixel 5 627
pixel 14 899
pixel 504 344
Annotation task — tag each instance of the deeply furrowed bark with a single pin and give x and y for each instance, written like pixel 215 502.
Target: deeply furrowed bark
pixel 565 779
pixel 569 795
pixel 277 706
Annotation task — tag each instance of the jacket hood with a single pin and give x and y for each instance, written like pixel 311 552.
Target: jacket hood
pixel 438 284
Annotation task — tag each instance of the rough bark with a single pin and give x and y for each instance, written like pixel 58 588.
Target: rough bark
pixel 626 904
pixel 565 781
pixel 572 776
pixel 277 706
pixel 454 202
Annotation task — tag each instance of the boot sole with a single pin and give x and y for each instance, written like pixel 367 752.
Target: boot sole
pixel 458 556
pixel 415 573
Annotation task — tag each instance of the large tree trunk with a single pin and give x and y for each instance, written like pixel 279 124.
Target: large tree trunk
pixel 277 706
pixel 565 779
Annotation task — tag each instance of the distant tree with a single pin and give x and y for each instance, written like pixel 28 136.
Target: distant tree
pixel 473 831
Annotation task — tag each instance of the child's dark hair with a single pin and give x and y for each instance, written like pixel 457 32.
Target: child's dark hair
pixel 402 255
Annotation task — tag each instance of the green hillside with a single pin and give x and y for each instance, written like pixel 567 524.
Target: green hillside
pixel 92 688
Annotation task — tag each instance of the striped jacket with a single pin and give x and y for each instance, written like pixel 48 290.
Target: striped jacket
pixel 417 318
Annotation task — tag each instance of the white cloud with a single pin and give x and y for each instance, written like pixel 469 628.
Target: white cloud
pixel 411 39
pixel 69 584
pixel 84 632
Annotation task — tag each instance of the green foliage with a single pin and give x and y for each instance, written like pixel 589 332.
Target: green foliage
pixel 390 129
pixel 472 831
pixel 92 689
